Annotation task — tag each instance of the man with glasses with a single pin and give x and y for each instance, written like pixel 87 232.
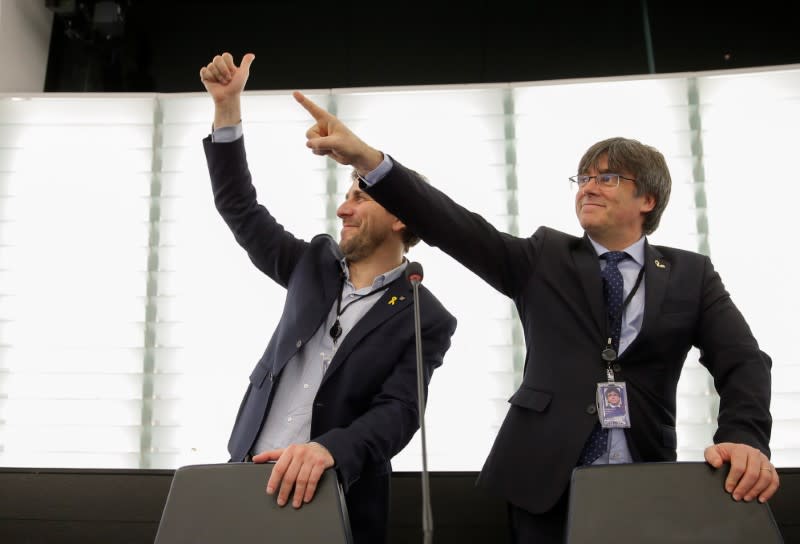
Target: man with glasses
pixel 604 310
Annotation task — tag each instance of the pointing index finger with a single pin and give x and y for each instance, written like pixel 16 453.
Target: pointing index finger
pixel 316 111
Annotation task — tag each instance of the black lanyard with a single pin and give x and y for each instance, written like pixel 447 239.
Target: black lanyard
pixel 336 329
pixel 609 354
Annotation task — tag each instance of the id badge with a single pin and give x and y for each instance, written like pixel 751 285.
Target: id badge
pixel 612 405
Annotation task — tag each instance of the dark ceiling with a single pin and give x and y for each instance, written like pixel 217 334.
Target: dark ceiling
pixel 150 45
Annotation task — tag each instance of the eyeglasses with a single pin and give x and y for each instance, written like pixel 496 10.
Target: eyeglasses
pixel 608 180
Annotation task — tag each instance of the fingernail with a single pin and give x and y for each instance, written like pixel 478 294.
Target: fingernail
pixel 762 500
pixel 270 490
pixel 736 497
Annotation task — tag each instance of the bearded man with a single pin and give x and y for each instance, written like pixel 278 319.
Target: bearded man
pixel 336 387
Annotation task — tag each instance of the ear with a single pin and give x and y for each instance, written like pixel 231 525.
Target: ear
pixel 648 203
pixel 397 225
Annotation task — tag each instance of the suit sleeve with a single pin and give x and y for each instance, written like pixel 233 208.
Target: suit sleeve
pixel 392 417
pixel 741 371
pixel 502 260
pixel 270 247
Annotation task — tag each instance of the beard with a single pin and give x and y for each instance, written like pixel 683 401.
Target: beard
pixel 362 244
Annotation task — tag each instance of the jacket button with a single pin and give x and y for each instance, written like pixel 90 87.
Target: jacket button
pixel 591 409
pixel 616 367
pixel 299 343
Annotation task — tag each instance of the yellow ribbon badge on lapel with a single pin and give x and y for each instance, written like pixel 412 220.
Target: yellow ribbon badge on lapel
pixel 392 301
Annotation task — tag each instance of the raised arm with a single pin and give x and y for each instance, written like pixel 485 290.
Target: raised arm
pixel 502 260
pixel 271 248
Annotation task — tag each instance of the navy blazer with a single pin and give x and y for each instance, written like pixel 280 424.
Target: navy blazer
pixel 365 411
pixel 554 280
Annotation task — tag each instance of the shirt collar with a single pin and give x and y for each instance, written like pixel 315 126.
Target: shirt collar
pixel 389 276
pixel 381 279
pixel 635 250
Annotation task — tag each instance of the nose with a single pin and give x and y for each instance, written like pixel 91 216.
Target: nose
pixel 343 210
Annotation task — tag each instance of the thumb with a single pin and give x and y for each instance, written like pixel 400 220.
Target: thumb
pixel 322 144
pixel 265 456
pixel 247 60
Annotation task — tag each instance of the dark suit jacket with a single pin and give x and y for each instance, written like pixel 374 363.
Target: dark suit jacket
pixel 366 408
pixel 554 280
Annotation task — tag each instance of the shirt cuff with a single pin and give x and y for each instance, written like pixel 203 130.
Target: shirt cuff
pixel 379 173
pixel 223 135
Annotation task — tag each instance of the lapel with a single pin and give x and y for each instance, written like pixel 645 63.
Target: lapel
pixel 656 275
pixel 588 269
pixel 326 280
pixel 656 279
pixel 331 289
pixel 396 299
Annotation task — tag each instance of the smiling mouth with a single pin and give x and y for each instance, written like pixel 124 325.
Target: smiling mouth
pixel 346 229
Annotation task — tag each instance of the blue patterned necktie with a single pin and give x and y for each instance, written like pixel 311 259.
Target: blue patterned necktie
pixel 612 291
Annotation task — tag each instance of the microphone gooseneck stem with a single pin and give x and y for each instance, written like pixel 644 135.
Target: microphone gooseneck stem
pixel 427 513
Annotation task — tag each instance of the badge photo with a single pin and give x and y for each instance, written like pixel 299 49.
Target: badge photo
pixel 612 405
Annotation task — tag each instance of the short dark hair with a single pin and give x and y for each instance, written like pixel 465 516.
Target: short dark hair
pixel 410 239
pixel 612 389
pixel 647 165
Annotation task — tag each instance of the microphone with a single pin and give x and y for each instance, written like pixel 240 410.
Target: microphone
pixel 414 273
pixel 414 276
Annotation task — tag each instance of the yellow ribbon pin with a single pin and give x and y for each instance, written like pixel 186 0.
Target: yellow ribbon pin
pixel 393 300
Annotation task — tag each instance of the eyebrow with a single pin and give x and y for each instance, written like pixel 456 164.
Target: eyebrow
pixel 356 192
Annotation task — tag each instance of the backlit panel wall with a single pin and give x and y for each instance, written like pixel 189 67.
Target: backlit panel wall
pixel 130 318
